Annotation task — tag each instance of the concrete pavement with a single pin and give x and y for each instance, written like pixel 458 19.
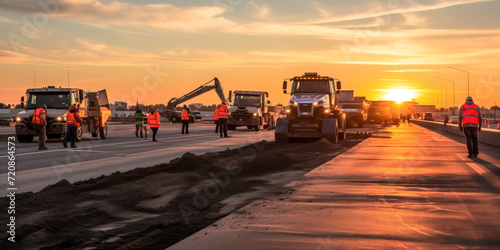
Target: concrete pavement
pixel 404 188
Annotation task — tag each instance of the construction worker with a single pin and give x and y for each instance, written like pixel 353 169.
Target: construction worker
pixel 446 120
pixel 138 121
pixel 40 122
pixel 154 122
pixel 223 115
pixel 73 121
pixel 185 119
pixel 216 119
pixel 469 122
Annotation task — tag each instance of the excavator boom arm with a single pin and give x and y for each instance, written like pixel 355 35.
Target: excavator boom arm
pixel 197 92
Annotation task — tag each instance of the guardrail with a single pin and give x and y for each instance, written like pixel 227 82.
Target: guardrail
pixel 487 136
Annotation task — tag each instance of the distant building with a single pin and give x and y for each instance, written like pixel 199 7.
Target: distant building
pixel 119 106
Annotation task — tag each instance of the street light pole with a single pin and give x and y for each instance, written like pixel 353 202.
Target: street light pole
pixel 441 91
pixel 434 93
pixel 453 87
pixel 468 78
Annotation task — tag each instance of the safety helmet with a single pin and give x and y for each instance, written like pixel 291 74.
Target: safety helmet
pixel 43 106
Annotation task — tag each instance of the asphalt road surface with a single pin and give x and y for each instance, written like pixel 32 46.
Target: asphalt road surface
pixel 404 188
pixel 120 151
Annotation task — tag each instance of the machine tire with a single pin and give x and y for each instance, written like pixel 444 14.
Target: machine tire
pixel 231 127
pixel 250 127
pixel 25 138
pixel 79 134
pixel 342 135
pixel 330 130
pixel 103 131
pixel 257 128
pixel 281 131
pixel 174 119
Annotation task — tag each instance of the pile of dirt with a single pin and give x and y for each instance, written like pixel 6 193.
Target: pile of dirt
pixel 155 207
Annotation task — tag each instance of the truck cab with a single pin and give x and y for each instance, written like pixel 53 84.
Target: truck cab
pixel 313 110
pixel 250 109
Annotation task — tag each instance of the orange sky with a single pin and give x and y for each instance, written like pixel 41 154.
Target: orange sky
pixel 155 50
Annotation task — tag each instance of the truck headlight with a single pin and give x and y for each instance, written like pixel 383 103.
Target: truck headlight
pixel 288 110
pixel 18 119
pixel 255 114
pixel 327 111
pixel 293 103
pixel 59 119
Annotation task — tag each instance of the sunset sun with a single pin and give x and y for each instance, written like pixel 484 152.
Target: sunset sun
pixel 399 95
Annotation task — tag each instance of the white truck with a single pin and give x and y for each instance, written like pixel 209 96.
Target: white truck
pixel 251 109
pixel 93 108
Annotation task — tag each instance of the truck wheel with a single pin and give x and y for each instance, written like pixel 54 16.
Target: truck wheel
pixel 342 135
pixel 250 127
pixel 103 131
pixel 256 128
pixel 173 119
pixel 281 131
pixel 25 138
pixel 79 134
pixel 231 127
pixel 330 130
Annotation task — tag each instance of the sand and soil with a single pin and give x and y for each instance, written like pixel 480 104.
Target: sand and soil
pixel 155 207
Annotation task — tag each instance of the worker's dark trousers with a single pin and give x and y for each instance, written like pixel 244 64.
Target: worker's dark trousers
pixel 155 130
pixel 185 126
pixel 471 136
pixel 223 126
pixel 41 132
pixel 138 128
pixel 71 135
pixel 217 125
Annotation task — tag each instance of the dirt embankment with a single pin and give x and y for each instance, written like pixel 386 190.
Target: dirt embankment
pixel 155 207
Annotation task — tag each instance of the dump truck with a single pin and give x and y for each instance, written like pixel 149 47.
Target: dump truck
pixel 313 111
pixel 383 112
pixel 355 108
pixel 250 109
pixel 174 116
pixel 93 108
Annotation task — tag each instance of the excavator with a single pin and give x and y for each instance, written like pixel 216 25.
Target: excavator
pixel 175 116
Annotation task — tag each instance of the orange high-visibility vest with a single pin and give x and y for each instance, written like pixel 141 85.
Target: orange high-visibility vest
pixel 154 120
pixel 37 116
pixel 73 119
pixel 223 113
pixel 216 114
pixel 470 114
pixel 184 115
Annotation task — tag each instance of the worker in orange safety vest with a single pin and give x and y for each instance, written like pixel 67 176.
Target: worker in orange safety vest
pixel 185 119
pixel 73 121
pixel 216 119
pixel 154 122
pixel 469 122
pixel 39 123
pixel 223 114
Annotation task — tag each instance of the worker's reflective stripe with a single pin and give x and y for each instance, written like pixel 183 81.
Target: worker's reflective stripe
pixel 223 113
pixel 216 114
pixel 37 116
pixel 184 114
pixel 71 118
pixel 154 120
pixel 470 114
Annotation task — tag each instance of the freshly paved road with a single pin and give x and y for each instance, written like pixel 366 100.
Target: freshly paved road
pixel 121 151
pixel 405 188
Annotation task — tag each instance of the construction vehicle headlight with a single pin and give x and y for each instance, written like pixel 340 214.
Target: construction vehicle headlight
pixel 288 110
pixel 18 119
pixel 293 103
pixel 327 111
pixel 254 114
pixel 317 103
pixel 59 119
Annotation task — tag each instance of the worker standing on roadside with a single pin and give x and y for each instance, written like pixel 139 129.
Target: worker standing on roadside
pixel 223 115
pixel 40 122
pixel 469 122
pixel 409 118
pixel 446 120
pixel 185 119
pixel 216 119
pixel 73 121
pixel 138 121
pixel 403 117
pixel 154 122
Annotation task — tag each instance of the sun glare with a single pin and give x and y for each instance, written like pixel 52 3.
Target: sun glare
pixel 399 95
